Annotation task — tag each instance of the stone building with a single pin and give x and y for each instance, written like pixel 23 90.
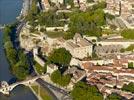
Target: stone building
pixel 79 47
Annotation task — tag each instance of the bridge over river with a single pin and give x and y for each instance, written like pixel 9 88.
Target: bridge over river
pixel 8 88
pixel 2 26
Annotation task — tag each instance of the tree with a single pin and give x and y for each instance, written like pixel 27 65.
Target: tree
pixel 128 33
pixel 87 23
pixel 122 50
pixel 60 56
pixel 20 71
pixel 39 68
pixel 99 17
pixel 18 61
pixel 130 48
pixel 114 96
pixel 131 65
pixel 129 87
pixel 65 80
pixel 82 91
pixel 58 78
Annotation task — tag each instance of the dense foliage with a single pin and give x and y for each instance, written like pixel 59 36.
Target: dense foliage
pixel 32 14
pixel 114 96
pixel 131 65
pixel 130 48
pixel 128 34
pixel 17 59
pixel 58 78
pixel 60 56
pixel 50 19
pixel 129 87
pixel 82 91
pixel 87 23
pixel 40 69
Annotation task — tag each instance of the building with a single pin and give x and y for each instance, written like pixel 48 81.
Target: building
pixel 79 47
pixel 81 3
pixel 51 68
pixel 37 58
pixel 46 5
pixel 108 76
pixel 58 1
pixel 124 9
pixel 113 7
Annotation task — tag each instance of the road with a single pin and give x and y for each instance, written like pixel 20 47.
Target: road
pixel 52 86
pixel 46 86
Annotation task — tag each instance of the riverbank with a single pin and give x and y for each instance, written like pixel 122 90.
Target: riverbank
pixel 25 9
pixel 9 9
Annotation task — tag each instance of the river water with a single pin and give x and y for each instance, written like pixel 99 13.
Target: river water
pixel 9 10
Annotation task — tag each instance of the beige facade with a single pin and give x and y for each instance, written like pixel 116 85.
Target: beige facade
pixel 79 47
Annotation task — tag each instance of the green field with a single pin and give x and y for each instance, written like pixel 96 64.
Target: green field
pixel 43 93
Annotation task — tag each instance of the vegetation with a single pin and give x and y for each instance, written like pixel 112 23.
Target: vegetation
pixel 50 19
pixel 40 70
pixel 114 96
pixel 55 34
pixel 58 78
pixel 100 5
pixel 60 56
pixel 90 1
pixel 94 56
pixel 42 92
pixel 128 33
pixel 82 91
pixel 130 48
pixel 129 87
pixel 69 2
pixel 109 16
pixel 122 50
pixel 17 59
pixel 87 23
pixel 131 65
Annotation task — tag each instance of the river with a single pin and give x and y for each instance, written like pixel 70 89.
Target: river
pixel 9 10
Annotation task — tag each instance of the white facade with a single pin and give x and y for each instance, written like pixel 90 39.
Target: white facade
pixel 51 68
pixel 57 1
pixel 125 44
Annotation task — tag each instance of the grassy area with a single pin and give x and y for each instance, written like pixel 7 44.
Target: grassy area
pixel 55 34
pixel 39 68
pixel 43 93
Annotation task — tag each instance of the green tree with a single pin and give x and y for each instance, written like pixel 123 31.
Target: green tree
pixel 130 48
pixel 131 65
pixel 87 22
pixel 128 33
pixel 99 17
pixel 114 96
pixel 82 91
pixel 65 80
pixel 129 87
pixel 20 71
pixel 58 78
pixel 60 56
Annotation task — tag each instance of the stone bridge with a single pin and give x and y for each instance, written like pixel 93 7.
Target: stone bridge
pixel 7 89
pixel 2 26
